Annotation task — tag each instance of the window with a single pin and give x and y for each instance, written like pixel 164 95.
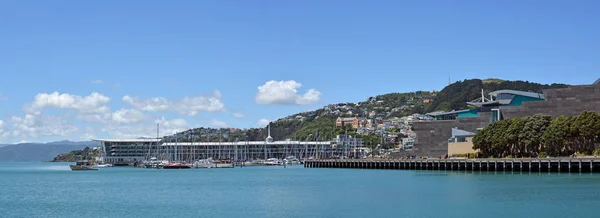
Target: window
pixel 496 115
pixel 461 139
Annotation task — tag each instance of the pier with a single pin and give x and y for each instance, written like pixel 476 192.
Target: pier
pixel 560 165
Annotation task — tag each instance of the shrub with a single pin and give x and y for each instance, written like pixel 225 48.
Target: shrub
pixel 542 155
pixel 596 152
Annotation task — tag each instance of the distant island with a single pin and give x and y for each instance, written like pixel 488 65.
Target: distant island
pixel 75 155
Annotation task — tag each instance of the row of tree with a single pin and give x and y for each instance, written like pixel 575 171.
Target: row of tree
pixel 540 135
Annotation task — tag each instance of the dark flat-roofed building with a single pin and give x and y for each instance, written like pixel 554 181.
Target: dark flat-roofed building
pixel 432 136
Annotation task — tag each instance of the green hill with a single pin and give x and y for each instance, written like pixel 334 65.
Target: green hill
pixel 75 155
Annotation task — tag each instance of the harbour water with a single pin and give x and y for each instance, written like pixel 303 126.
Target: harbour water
pixel 52 190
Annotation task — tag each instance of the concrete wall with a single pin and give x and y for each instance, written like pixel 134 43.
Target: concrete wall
pixel 461 147
pixel 567 101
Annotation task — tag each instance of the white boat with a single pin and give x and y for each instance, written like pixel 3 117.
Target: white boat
pixel 291 160
pixel 273 162
pixel 155 163
pixel 204 163
pixel 104 165
pixel 223 165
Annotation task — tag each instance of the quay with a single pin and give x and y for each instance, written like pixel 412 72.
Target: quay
pixel 560 165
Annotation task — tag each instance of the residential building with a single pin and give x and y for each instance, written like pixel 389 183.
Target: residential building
pixel 344 121
pixel 407 144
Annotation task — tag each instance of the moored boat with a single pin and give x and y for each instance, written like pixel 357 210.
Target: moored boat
pixel 104 165
pixel 204 163
pixel 273 162
pixel 223 164
pixel 176 166
pixel 82 165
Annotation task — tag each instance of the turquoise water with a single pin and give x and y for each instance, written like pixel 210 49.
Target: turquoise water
pixel 52 190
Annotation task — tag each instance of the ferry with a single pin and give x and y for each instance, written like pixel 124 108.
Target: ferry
pixel 82 165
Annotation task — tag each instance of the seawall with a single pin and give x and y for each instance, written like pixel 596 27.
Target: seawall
pixel 561 165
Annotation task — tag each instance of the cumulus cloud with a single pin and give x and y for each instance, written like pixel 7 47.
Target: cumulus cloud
pixel 2 130
pixel 263 122
pixel 188 105
pixel 167 127
pixel 89 134
pixel 239 115
pixel 36 126
pixel 97 81
pixel 93 103
pixel 285 92
pixel 128 116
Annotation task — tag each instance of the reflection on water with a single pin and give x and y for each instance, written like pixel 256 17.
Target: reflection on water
pixel 34 166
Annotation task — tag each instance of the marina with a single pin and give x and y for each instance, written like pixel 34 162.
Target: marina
pixel 558 165
pixel 158 153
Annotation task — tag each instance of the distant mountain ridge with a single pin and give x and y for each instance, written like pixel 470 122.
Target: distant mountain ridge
pixel 31 152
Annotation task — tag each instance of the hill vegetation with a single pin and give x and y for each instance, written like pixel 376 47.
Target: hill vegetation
pixel 75 155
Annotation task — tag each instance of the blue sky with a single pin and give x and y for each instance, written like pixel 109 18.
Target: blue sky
pixel 109 69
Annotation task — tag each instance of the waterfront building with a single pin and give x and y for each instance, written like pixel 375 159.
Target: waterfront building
pixel 432 136
pixel 126 151
pixel 131 150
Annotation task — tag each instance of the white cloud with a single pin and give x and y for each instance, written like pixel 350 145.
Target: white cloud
pixel 152 104
pixel 167 127
pixel 285 92
pixel 97 81
pixel 217 124
pixel 128 116
pixel 2 130
pixel 89 134
pixel 36 126
pixel 263 122
pixel 239 115
pixel 95 118
pixel 91 104
pixel 188 105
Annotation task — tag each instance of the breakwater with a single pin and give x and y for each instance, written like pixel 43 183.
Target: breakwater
pixel 561 165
